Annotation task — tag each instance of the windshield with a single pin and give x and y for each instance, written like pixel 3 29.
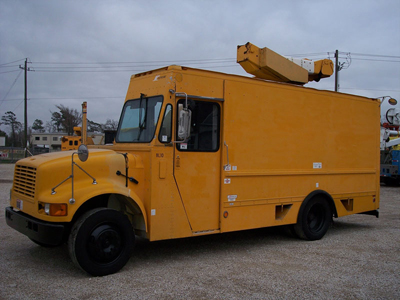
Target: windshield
pixel 139 120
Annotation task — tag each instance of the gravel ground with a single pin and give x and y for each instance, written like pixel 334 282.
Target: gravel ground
pixel 357 259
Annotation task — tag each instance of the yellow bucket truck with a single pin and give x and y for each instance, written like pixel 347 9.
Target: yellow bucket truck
pixel 200 152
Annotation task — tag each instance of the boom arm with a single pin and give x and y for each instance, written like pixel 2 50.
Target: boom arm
pixel 267 64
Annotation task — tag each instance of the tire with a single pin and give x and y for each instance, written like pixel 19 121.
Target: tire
pixel 101 241
pixel 314 219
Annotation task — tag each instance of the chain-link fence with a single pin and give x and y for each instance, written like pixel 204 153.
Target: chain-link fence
pixel 12 154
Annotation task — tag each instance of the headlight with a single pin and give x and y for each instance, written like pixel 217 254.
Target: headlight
pixel 47 208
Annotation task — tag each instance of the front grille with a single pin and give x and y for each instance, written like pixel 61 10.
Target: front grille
pixel 24 180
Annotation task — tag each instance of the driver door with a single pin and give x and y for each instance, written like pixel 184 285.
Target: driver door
pixel 198 166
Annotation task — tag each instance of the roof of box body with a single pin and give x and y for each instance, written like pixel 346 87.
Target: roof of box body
pixel 177 68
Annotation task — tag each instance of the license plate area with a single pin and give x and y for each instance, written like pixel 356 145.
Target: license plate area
pixel 20 204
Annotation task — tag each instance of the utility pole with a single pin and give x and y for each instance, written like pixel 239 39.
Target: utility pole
pixel 26 69
pixel 336 70
pixel 340 66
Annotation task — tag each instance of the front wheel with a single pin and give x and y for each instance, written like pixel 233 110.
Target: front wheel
pixel 101 241
pixel 314 219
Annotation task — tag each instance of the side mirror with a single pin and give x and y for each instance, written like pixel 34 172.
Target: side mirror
pixel 185 117
pixel 83 153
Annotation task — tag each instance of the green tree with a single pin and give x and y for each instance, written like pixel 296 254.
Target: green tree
pixel 10 119
pixel 56 120
pixel 38 125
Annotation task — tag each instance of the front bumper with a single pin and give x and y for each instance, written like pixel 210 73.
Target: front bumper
pixel 43 232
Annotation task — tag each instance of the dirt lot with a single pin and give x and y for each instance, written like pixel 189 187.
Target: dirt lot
pixel 359 258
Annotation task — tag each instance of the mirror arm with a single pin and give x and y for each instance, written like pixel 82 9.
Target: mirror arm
pixel 181 94
pixel 94 179
pixel 72 200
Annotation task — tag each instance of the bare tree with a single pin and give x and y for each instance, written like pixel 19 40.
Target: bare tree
pixel 67 118
pixel 98 127
pixel 50 127
pixel 110 125
pixel 94 127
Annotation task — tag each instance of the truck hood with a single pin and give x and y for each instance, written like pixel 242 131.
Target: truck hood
pixel 62 156
pixel 43 172
pixel 47 178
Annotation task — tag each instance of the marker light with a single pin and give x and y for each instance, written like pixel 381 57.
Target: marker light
pixel 55 209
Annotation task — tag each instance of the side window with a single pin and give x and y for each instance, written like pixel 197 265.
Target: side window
pixel 165 134
pixel 204 127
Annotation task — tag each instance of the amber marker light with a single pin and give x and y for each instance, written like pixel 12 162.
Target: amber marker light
pixel 225 214
pixel 55 209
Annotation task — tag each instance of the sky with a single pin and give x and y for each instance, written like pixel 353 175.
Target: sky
pixel 87 50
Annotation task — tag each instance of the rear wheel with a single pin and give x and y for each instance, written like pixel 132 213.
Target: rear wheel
pixel 314 219
pixel 101 241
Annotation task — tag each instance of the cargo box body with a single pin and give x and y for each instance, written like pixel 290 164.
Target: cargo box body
pixel 276 145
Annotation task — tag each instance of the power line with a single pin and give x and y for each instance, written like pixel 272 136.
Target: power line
pixel 375 55
pixel 369 59
pixel 12 62
pixel 379 90
pixel 195 61
pixel 67 98
pixel 308 54
pixel 19 74
pixel 109 67
pixel 122 68
pixel 138 66
pixel 352 55
pixel 138 62
pixel 9 66
pixel 9 72
pixel 22 101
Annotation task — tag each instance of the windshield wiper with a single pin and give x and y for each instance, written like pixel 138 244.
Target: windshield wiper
pixel 142 124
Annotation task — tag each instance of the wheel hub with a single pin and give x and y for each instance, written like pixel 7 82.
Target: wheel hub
pixel 105 243
pixel 315 218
